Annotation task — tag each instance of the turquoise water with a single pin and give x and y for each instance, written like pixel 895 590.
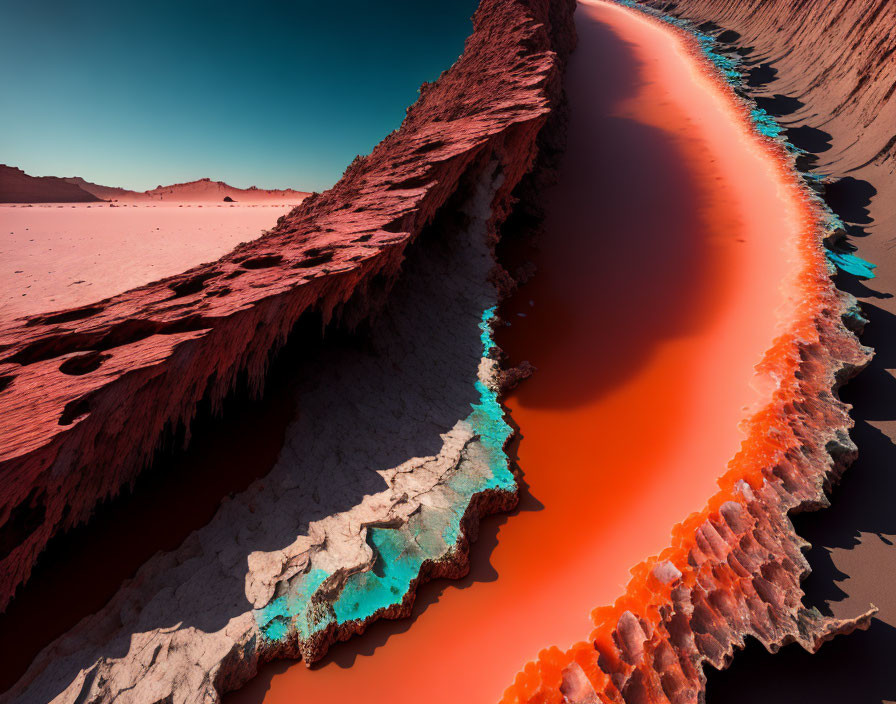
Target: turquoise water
pixel 852 264
pixel 431 533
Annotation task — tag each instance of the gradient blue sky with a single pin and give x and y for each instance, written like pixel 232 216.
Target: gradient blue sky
pixel 268 93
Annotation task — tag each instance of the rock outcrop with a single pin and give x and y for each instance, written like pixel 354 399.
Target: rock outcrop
pixel 291 564
pixel 380 482
pixel 18 187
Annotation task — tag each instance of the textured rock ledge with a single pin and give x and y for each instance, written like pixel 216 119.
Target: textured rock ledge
pixel 733 570
pixel 86 395
pixel 380 482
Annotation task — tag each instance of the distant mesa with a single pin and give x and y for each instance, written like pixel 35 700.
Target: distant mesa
pixel 18 187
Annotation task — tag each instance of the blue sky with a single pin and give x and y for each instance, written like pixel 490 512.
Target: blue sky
pixel 268 93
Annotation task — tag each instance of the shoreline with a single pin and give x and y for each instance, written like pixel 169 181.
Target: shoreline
pixel 375 666
pixel 627 632
pixel 841 124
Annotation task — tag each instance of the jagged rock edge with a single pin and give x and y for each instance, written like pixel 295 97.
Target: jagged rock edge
pixel 71 441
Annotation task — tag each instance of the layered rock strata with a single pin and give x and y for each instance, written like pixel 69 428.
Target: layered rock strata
pixel 733 570
pixel 87 394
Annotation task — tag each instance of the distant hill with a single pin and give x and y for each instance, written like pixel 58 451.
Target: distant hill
pixel 201 191
pixel 207 190
pixel 101 192
pixel 18 187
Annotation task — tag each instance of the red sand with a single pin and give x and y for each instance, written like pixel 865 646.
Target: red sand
pixel 667 245
pixel 56 256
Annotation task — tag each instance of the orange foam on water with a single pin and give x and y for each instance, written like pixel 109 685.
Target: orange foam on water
pixel 677 253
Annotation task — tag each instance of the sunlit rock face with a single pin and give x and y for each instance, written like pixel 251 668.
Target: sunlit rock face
pixel 86 394
pixel 381 480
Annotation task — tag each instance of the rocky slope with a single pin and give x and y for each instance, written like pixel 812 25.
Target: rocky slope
pixel 18 187
pixel 826 71
pixel 87 394
pixel 380 481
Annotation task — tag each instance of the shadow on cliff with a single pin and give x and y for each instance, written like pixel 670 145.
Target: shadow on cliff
pixel 365 402
pixel 122 534
pixel 628 256
pixel 855 668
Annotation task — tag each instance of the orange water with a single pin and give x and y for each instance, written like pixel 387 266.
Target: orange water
pixel 660 277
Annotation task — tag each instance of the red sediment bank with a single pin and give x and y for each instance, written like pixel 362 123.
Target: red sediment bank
pixel 828 69
pixel 679 254
pixel 734 568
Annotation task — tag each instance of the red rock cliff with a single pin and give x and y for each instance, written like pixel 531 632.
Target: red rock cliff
pixel 87 394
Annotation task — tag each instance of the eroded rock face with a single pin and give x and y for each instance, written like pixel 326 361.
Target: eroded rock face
pixel 396 450
pixel 86 394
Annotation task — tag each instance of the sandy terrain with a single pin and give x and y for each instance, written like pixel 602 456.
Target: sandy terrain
pixel 55 256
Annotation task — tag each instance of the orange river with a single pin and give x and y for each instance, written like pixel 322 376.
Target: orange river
pixel 662 279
